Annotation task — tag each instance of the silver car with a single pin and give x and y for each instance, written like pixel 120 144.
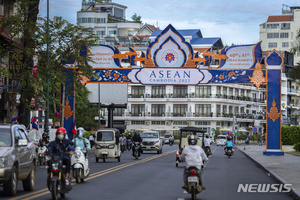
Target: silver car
pixel 151 141
pixel 17 158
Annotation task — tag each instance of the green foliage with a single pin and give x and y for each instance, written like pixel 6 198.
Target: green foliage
pixel 290 135
pixel 136 18
pixel 87 134
pixel 297 146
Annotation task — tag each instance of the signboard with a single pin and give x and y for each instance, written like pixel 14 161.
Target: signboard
pixel 255 129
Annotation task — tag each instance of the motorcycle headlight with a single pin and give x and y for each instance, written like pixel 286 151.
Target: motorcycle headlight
pixel 55 166
pixel 111 146
pixel 3 161
pixel 77 154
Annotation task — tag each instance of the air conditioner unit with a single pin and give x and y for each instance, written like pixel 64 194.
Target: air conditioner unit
pixel 147 122
pixel 127 122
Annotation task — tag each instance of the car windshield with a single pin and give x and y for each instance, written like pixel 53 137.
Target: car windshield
pixel 5 138
pixel 149 135
pixel 105 136
pixel 222 137
pixel 167 136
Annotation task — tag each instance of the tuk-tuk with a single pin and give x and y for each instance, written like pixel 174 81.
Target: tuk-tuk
pixel 107 144
pixel 183 140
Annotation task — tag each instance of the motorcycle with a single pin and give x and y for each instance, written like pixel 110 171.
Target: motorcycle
pixel 194 185
pixel 80 165
pixel 56 181
pixel 129 144
pixel 229 151
pixel 42 158
pixel 123 143
pixel 137 150
pixel 207 151
pixel 171 142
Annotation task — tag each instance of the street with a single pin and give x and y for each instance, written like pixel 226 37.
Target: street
pixel 155 177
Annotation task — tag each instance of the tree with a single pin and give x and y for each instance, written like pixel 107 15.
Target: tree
pixel 136 18
pixel 65 42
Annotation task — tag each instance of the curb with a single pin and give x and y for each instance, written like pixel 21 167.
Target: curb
pixel 294 154
pixel 293 193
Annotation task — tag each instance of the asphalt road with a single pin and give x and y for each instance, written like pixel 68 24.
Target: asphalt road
pixel 155 177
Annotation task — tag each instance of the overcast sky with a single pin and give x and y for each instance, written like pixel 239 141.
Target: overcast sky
pixel 235 21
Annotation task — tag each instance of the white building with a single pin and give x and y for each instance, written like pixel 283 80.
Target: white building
pixel 107 20
pixel 279 31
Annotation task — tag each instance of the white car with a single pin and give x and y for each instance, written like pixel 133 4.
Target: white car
pixel 221 140
pixel 151 141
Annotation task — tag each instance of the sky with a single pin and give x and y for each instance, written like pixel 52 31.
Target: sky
pixel 234 21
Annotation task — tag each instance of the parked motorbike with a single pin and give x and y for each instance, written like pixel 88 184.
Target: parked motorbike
pixel 129 144
pixel 80 165
pixel 194 185
pixel 229 151
pixel 137 150
pixel 42 158
pixel 56 180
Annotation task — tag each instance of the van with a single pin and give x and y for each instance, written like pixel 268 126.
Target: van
pixel 221 140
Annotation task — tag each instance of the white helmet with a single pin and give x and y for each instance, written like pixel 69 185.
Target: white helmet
pixel 80 132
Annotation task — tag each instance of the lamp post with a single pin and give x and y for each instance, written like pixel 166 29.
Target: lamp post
pixel 47 102
pixel 291 106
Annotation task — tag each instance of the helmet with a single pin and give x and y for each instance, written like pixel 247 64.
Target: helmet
pixel 80 132
pixel 129 134
pixel 192 140
pixel 59 131
pixel 44 135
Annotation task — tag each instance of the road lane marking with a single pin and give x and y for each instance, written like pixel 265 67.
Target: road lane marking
pixel 45 191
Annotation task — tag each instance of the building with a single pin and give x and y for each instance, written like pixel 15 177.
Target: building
pixel 107 20
pixel 279 32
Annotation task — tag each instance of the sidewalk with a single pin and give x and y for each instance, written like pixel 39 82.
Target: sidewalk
pixel 285 169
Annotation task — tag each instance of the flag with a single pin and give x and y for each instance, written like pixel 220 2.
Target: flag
pixel 15 118
pixel 34 71
pixel 74 128
pixel 261 135
pixel 57 114
pixel 34 124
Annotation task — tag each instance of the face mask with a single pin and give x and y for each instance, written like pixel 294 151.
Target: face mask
pixel 60 136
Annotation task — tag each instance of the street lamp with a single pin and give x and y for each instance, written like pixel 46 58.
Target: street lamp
pixel 291 105
pixel 47 102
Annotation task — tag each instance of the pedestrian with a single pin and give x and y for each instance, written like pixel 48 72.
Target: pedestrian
pixel 92 140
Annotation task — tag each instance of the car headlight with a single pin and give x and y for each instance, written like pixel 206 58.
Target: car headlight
pixel 156 142
pixel 55 166
pixel 3 161
pixel 111 146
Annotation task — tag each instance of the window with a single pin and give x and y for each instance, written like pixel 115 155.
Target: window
pixel 218 90
pixel 179 91
pixel 137 91
pixel 230 91
pixel 100 20
pixel 272 44
pixel 203 123
pixel 112 33
pixel 202 110
pixel 284 35
pixel 180 122
pixel 158 91
pixel 138 122
pixel 158 122
pixel 224 109
pixel 130 33
pixel 285 44
pixel 218 109
pixel 179 109
pixel 273 35
pixel 285 26
pixel 101 34
pixel 119 111
pixel 137 109
pixel 202 91
pixel 157 109
pixel 272 26
pixel 224 90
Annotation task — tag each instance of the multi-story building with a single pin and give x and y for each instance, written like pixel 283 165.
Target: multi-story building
pixel 279 32
pixel 107 20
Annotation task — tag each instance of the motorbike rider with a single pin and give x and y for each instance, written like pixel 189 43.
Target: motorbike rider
pixel 44 140
pixel 136 138
pixel 81 141
pixel 122 139
pixel 207 142
pixel 229 144
pixel 171 139
pixel 58 146
pixel 194 156
pixel 129 138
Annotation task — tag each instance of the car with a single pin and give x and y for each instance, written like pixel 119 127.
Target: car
pixel 151 141
pixel 166 138
pixel 221 140
pixel 17 158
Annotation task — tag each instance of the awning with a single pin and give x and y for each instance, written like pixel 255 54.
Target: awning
pixel 175 129
pixel 160 128
pixel 224 129
pixel 143 129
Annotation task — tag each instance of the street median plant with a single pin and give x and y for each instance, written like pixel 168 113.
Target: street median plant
pixel 297 146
